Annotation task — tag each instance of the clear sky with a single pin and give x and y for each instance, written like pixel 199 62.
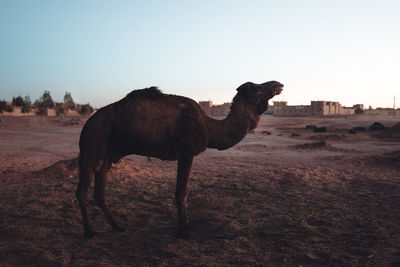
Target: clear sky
pixel 346 51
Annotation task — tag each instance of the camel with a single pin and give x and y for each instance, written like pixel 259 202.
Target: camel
pixel 149 123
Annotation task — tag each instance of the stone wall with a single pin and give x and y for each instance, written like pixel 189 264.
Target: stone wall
pixel 221 110
pixel 317 108
pixel 17 112
pixel 215 110
pixel 280 108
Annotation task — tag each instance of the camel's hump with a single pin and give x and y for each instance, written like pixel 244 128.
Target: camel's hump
pixel 152 92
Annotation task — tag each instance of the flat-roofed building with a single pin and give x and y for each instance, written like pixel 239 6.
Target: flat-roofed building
pixel 206 106
pixel 317 108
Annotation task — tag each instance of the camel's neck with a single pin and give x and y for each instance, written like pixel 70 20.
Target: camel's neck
pixel 226 133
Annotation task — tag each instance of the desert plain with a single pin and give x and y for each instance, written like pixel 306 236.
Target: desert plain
pixel 284 196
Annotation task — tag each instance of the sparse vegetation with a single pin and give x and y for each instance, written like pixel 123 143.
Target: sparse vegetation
pixel 377 126
pixel 86 109
pixel 27 106
pixel 24 103
pixel 3 105
pixel 9 109
pixel 60 110
pixel 44 102
pixel 18 101
pixel 68 101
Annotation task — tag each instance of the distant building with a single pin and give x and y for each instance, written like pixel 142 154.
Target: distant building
pixel 51 112
pixel 317 108
pixel 281 108
pixel 382 112
pixel 215 110
pixel 206 106
pixel 221 110
pixel 358 106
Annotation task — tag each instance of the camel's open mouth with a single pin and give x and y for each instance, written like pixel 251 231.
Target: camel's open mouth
pixel 277 91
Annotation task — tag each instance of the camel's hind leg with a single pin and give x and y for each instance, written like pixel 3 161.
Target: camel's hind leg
pixel 181 193
pixel 99 197
pixel 85 177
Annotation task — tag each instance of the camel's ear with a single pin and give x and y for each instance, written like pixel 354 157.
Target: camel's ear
pixel 250 92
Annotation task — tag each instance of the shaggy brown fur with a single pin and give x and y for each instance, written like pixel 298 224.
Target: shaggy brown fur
pixel 149 123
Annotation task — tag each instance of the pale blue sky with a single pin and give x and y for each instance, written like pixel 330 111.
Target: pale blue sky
pixel 347 51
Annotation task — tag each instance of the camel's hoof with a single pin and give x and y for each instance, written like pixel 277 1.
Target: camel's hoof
pixel 118 228
pixel 90 233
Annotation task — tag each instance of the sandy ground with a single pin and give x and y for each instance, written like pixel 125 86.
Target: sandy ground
pixel 274 199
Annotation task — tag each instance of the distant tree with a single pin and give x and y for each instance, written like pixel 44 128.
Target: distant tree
pixel 26 108
pixel 3 106
pixel 44 102
pixel 9 109
pixel 47 100
pixel 60 110
pixel 86 109
pixel 18 101
pixel 68 101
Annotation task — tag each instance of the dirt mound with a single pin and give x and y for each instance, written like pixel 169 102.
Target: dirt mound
pixel 377 126
pixel 322 145
pixel 128 168
pixel 253 147
pixel 314 145
pixel 320 130
pixel 357 129
pixel 390 133
pixel 391 159
pixel 64 168
pixel 69 168
pixel 311 127
pixel 327 137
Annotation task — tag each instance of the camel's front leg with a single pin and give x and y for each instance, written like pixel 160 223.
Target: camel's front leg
pixel 181 193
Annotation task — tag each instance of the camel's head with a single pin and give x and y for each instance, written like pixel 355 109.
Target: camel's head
pixel 259 94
